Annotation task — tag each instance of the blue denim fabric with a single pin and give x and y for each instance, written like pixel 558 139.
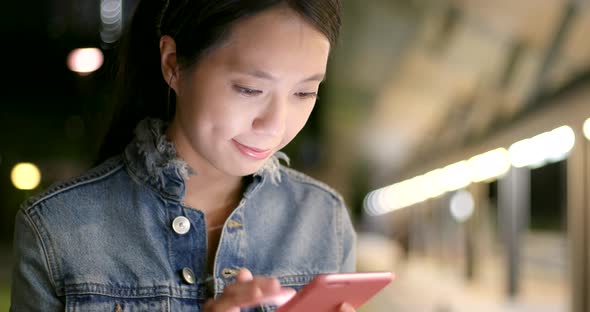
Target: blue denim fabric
pixel 104 241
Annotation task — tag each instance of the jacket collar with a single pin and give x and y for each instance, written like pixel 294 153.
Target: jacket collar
pixel 152 158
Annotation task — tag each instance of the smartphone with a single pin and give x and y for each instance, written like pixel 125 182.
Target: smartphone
pixel 326 292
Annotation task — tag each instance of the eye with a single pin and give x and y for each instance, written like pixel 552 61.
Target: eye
pixel 247 91
pixel 307 95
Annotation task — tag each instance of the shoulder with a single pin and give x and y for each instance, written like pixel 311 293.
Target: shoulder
pixel 75 187
pixel 305 182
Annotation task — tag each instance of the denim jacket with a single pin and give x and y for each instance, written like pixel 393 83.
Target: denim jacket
pixel 120 238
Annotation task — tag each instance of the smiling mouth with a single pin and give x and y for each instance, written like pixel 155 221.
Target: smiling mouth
pixel 252 152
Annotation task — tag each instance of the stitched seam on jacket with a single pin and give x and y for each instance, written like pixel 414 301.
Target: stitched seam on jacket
pixel 305 179
pixel 133 292
pixel 97 174
pixel 48 262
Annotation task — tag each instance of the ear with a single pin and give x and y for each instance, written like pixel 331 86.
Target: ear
pixel 168 62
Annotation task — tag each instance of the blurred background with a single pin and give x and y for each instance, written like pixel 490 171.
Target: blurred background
pixel 456 130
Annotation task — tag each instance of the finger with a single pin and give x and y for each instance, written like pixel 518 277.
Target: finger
pixel 244 275
pixel 212 306
pixel 242 294
pixel 235 298
pixel 281 298
pixel 268 285
pixel 345 307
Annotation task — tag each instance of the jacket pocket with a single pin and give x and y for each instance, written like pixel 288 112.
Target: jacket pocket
pixel 102 303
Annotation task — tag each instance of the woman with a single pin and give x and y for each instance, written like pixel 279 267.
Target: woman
pixel 190 209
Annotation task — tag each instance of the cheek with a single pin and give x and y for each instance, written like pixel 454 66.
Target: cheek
pixel 216 114
pixel 295 124
pixel 227 122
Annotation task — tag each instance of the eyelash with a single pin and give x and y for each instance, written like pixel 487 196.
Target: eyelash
pixel 252 92
pixel 247 91
pixel 307 95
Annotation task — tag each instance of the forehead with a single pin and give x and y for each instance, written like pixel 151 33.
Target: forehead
pixel 273 39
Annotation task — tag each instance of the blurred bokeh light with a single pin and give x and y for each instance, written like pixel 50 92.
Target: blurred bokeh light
pixel 25 176
pixel 462 205
pixel 85 60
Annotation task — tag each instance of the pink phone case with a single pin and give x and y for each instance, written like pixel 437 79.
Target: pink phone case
pixel 326 292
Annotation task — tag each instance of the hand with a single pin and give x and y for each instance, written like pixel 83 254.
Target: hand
pixel 345 307
pixel 248 291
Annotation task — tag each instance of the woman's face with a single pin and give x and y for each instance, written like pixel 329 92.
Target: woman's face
pixel 248 98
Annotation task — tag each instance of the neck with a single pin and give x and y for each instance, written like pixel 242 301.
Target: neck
pixel 209 190
pixel 212 195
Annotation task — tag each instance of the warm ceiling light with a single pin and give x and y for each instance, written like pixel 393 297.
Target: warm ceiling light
pixel 546 147
pixel 489 165
pixel 456 176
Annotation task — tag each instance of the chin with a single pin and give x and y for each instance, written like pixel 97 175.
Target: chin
pixel 246 169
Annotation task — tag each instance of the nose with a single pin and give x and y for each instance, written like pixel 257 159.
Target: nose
pixel 271 121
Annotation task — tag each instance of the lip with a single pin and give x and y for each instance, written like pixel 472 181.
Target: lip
pixel 252 152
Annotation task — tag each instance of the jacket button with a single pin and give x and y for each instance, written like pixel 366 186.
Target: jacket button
pixel 229 273
pixel 181 225
pixel 188 276
pixel 232 224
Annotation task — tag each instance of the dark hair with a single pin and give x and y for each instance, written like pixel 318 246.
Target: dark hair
pixel 197 26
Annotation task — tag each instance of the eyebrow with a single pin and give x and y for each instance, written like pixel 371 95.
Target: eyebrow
pixel 264 75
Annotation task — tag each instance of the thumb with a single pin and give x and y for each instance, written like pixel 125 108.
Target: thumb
pixel 345 307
